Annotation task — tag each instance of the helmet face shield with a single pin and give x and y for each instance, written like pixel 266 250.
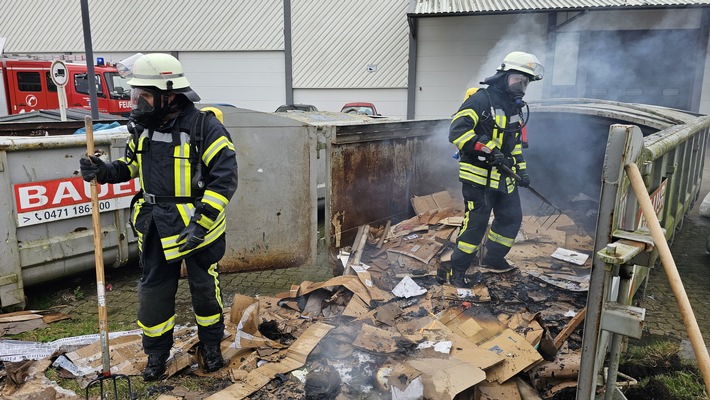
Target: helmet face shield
pixel 149 106
pixel 143 100
pixel 125 66
pixel 517 84
pixel 532 68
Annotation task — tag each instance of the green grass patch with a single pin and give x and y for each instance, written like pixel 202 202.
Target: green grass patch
pixel 684 385
pixel 662 373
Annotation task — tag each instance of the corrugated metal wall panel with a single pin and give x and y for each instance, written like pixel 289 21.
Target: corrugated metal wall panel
pixel 34 26
pixel 253 80
pixel 469 6
pixel 335 41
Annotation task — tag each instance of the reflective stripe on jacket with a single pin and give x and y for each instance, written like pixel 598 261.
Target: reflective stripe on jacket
pixel 474 122
pixel 163 162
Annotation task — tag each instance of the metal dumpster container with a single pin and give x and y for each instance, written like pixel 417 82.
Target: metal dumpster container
pixel 272 219
pixel 47 226
pixel 577 147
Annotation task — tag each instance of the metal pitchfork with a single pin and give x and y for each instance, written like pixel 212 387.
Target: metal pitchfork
pixel 546 209
pixel 100 286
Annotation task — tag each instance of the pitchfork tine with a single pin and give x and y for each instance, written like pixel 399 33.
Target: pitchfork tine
pixel 545 202
pixel 555 211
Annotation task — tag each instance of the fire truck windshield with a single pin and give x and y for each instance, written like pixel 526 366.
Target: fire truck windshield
pixel 118 87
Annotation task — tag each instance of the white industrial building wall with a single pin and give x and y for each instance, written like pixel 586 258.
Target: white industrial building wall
pixel 38 26
pixel 253 80
pixel 455 53
pixel 349 44
pixel 246 79
pixel 472 46
pixel 351 51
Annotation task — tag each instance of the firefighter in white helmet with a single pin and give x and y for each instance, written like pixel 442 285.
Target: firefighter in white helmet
pixel 487 132
pixel 188 173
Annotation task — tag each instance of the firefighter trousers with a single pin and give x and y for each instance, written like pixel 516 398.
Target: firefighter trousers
pixel 159 284
pixel 507 217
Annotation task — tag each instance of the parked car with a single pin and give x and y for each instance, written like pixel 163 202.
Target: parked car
pixel 296 107
pixel 360 108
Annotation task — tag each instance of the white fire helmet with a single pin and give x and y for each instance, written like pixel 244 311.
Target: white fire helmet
pixel 523 62
pixel 161 71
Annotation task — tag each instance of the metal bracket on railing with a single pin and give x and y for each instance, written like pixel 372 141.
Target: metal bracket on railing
pixel 623 320
pixel 618 318
pixel 620 252
pixel 641 235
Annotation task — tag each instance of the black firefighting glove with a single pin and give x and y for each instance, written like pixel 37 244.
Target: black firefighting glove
pixel 93 167
pixel 497 158
pixel 524 179
pixel 193 234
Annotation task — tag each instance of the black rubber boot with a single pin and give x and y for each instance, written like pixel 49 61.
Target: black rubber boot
pixel 212 357
pixel 497 264
pixel 459 280
pixel 155 367
pixel 442 275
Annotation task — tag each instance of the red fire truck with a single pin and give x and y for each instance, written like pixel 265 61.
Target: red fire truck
pixel 26 85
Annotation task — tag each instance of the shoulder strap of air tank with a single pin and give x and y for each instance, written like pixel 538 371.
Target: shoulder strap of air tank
pixel 196 138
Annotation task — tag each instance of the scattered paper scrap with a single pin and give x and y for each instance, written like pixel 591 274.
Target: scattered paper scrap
pixel 408 288
pixel 574 257
pixel 441 347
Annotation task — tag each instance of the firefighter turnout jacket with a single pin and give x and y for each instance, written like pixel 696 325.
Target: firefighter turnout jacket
pixel 165 161
pixel 489 117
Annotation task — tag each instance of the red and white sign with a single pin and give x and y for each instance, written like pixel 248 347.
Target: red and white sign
pixel 630 222
pixel 46 201
pixel 31 100
pixel 658 198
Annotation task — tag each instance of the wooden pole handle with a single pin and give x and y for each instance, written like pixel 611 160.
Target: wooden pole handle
pixel 686 311
pixel 98 255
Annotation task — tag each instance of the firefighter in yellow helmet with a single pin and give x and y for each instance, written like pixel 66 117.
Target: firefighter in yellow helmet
pixel 487 132
pixel 188 173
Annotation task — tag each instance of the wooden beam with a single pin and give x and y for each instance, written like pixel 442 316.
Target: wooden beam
pixel 570 327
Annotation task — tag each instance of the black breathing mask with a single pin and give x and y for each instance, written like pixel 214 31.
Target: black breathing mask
pixel 150 106
pixel 516 85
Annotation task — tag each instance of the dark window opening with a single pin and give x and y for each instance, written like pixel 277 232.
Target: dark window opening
pixel 50 83
pixel 81 84
pixel 29 82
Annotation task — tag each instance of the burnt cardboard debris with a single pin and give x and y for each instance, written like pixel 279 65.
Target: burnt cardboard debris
pixel 24 321
pixel 386 326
